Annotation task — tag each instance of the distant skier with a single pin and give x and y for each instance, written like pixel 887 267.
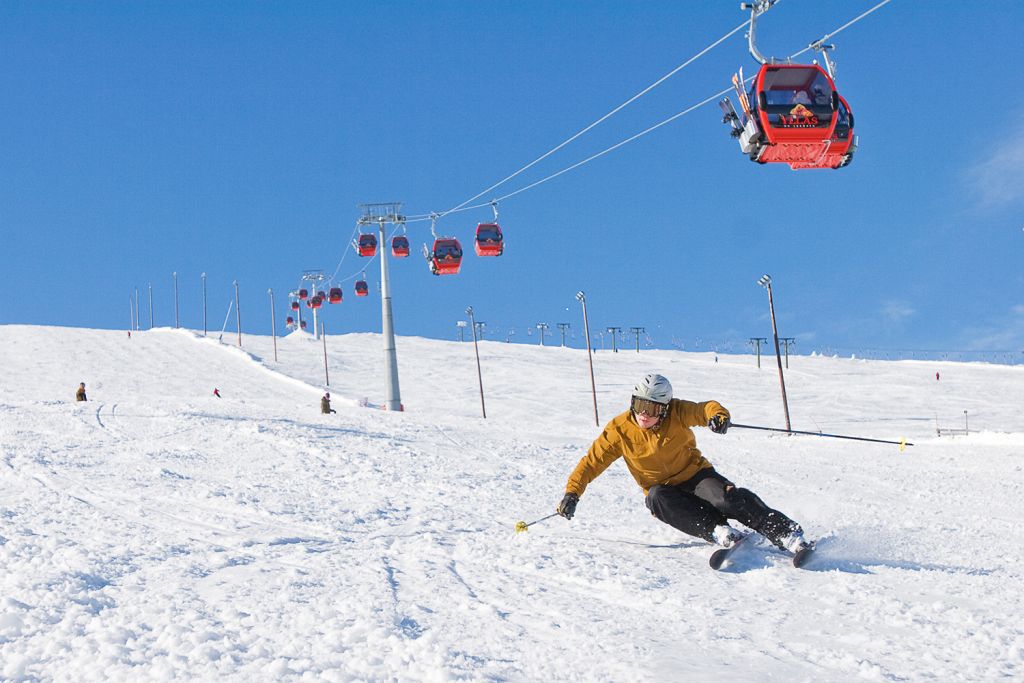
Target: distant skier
pixel 80 394
pixel 216 392
pixel 682 488
pixel 936 377
pixel 325 404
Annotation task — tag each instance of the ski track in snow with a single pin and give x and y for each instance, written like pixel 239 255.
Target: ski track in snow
pixel 157 532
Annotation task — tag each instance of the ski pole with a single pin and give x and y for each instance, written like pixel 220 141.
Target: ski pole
pixel 523 526
pixel 902 443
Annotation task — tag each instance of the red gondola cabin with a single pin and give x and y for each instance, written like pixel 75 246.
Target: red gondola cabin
pixel 489 241
pixel 445 257
pixel 302 324
pixel 793 115
pixel 315 302
pixel 303 294
pixel 295 305
pixel 290 321
pixel 367 244
pixel 334 296
pixel 400 246
pixel 361 288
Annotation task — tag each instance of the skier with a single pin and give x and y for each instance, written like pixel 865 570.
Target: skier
pixel 325 404
pixel 80 394
pixel 216 392
pixel 682 488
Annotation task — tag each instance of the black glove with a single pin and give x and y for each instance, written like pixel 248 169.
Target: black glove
pixel 567 508
pixel 719 424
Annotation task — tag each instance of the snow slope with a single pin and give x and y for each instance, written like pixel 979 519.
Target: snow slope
pixel 158 532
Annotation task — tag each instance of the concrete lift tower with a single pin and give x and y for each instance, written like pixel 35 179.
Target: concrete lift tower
pixel 380 215
pixel 316 280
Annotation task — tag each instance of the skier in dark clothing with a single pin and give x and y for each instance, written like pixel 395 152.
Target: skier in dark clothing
pixel 325 404
pixel 80 394
pixel 216 392
pixel 683 490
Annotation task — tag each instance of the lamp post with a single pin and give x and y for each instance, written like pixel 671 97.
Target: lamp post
pixel 238 315
pixel 150 305
pixel 766 282
pixel 203 276
pixel 175 276
pixel 273 322
pixel 582 298
pixel 461 324
pixel 476 349
pixel 543 327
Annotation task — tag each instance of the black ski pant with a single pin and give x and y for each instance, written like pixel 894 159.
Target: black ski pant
pixel 708 499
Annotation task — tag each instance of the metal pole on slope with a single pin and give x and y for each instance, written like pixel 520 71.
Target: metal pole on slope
pixel 323 336
pixel 766 282
pixel 476 349
pixel 582 298
pixel 175 276
pixel 238 315
pixel 150 305
pixel 131 314
pixel 203 276
pixel 273 322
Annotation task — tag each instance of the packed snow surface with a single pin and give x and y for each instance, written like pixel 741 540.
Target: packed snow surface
pixel 158 532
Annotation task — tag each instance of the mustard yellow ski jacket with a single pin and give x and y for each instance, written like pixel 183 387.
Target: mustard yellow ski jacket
pixel 665 454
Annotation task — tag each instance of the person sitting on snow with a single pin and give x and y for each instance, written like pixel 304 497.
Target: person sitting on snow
pixel 80 394
pixel 683 490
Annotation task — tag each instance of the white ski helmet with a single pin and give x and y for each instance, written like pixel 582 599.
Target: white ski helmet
pixel 654 387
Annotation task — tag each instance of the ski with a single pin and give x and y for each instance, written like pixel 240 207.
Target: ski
pixel 719 557
pixel 802 555
pixel 722 555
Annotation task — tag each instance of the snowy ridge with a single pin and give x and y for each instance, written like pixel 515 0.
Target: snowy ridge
pixel 158 532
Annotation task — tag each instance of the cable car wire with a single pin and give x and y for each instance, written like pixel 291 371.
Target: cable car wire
pixel 642 133
pixel 607 116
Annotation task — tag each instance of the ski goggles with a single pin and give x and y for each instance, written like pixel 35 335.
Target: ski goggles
pixel 644 406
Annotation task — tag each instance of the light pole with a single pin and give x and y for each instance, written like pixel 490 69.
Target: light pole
pixel 150 305
pixel 175 276
pixel 461 324
pixel 766 282
pixel 582 298
pixel 479 375
pixel 543 327
pixel 203 276
pixel 563 327
pixel 273 322
pixel 637 331
pixel 238 315
pixel 131 314
pixel 138 323
pixel 480 326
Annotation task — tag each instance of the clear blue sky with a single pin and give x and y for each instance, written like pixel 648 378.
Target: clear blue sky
pixel 238 138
